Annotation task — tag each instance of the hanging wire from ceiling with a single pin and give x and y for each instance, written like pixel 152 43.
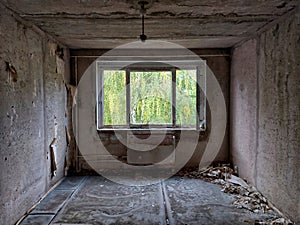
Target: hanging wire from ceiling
pixel 143 37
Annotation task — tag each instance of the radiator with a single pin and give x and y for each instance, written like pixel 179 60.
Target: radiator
pixel 144 150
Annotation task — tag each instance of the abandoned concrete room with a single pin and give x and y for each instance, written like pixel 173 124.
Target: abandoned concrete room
pixel 149 112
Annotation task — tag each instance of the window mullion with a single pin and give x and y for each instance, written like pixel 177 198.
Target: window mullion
pixel 198 98
pixel 99 97
pixel 98 115
pixel 173 97
pixel 128 97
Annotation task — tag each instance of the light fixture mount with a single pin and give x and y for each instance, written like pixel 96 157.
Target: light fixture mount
pixel 143 37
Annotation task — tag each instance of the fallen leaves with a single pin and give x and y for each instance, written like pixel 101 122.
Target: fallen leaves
pixel 247 197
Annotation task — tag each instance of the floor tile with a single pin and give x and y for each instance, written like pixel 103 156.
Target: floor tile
pixel 37 220
pixel 53 202
pixel 100 201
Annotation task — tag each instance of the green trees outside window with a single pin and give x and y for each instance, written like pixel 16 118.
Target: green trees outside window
pixel 114 97
pixel 186 97
pixel 150 98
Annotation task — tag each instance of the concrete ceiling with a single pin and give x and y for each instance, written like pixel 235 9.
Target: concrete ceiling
pixel 192 23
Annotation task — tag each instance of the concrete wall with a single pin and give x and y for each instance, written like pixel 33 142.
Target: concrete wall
pixel 243 106
pixel 31 115
pixel 265 112
pixel 219 63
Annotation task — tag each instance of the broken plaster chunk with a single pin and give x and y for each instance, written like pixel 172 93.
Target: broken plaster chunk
pixel 52 155
pixel 276 221
pixel 218 181
pixel 68 136
pixel 60 65
pixel 236 180
pixel 247 197
pixel 73 91
pixel 12 72
pixel 52 47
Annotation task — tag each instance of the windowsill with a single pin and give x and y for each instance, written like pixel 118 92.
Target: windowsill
pixel 151 129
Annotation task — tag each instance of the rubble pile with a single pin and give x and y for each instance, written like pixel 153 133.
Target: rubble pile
pixel 247 197
pixel 276 221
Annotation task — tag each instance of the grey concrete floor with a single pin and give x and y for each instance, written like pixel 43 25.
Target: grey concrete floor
pixel 178 200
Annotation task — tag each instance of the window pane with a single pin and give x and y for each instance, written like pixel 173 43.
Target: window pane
pixel 151 97
pixel 114 94
pixel 186 84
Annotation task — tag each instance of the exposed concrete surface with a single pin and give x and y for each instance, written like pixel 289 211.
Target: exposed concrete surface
pixel 100 201
pixel 55 109
pixel 70 183
pixel 278 159
pixel 220 66
pixel 217 60
pixel 243 108
pixel 273 166
pixel 197 202
pixel 32 109
pixel 53 202
pixel 178 200
pixel 27 111
pixel 37 219
pixel 193 23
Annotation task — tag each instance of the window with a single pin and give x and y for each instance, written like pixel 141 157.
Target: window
pixel 150 97
pixel 114 97
pixel 186 98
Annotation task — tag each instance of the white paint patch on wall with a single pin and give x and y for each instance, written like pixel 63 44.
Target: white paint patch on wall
pixel 34 88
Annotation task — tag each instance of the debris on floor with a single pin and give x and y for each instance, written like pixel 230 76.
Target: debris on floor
pixel 276 221
pixel 247 197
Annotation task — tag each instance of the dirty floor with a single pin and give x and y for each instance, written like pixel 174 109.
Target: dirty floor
pixel 178 200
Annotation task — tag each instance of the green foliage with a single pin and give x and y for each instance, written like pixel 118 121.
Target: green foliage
pixel 150 97
pixel 114 90
pixel 186 84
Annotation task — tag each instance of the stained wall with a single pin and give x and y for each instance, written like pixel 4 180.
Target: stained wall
pixel 32 114
pixel 218 61
pixel 265 112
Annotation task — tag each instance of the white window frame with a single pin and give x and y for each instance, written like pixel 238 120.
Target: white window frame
pixel 200 123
